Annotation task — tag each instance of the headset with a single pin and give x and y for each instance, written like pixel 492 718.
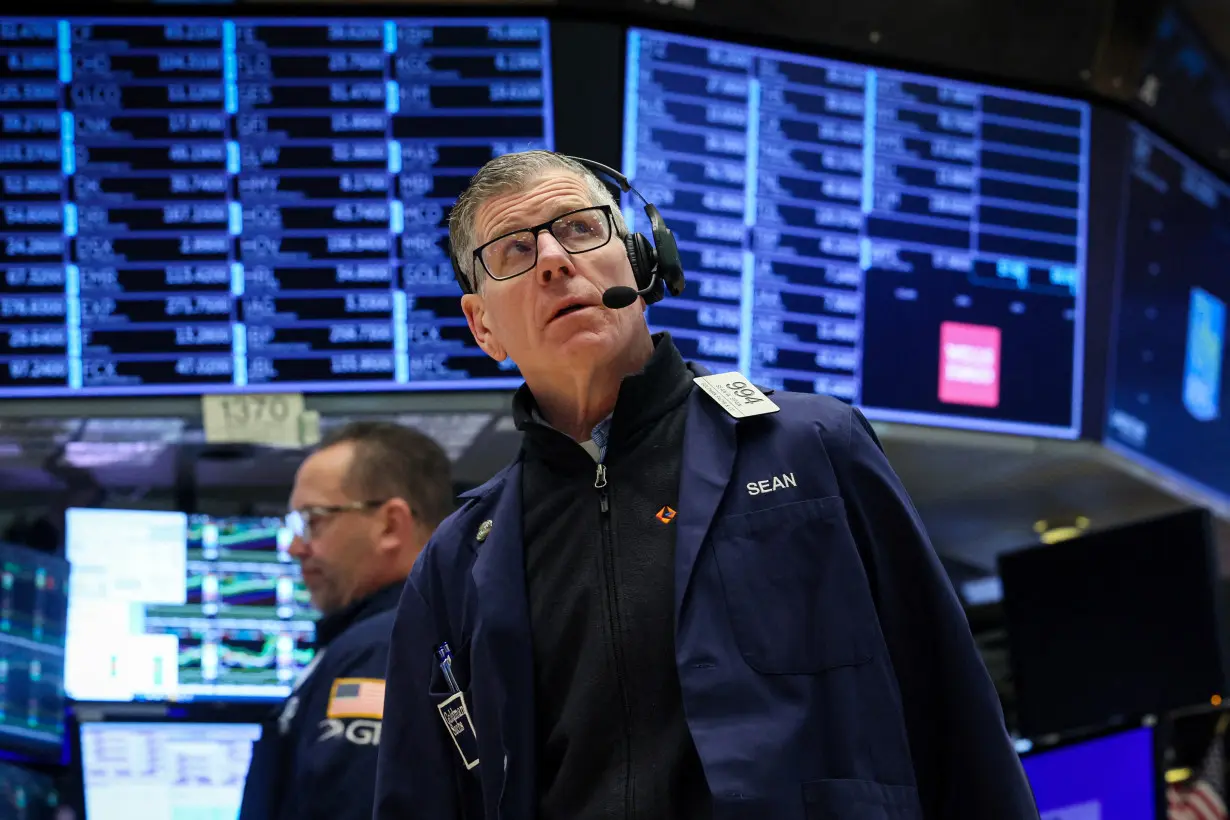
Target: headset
pixel 656 265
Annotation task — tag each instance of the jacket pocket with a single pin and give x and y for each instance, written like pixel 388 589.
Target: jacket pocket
pixel 859 800
pixel 796 592
pixel 439 693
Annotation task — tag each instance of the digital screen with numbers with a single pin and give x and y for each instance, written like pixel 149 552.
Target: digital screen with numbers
pixel 213 205
pixel 1168 380
pixel 912 244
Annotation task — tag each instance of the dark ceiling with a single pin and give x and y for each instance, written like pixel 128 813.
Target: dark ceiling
pixel 1212 17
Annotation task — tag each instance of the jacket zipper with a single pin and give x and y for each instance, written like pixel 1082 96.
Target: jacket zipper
pixel 608 556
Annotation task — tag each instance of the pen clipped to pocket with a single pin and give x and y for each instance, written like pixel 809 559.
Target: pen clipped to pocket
pixel 455 713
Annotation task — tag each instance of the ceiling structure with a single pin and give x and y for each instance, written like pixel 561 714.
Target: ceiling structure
pixel 978 494
pixel 1212 17
pixel 981 495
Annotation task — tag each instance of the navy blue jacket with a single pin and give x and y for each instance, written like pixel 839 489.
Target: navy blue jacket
pixel 308 765
pixel 826 665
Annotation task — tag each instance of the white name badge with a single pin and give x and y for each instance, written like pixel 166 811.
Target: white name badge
pixel 738 396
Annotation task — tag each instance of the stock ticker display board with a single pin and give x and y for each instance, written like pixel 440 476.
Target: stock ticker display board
pixel 209 205
pixel 1168 378
pixel 909 243
pixel 33 618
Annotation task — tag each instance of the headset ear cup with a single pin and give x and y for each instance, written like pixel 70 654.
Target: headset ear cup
pixel 642 257
pixel 634 257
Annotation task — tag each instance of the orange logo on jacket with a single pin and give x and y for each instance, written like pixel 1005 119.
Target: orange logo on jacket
pixel 666 515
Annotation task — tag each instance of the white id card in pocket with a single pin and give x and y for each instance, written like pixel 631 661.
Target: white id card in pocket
pixel 456 717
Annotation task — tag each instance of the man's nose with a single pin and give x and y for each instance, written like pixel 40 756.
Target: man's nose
pixel 298 548
pixel 553 260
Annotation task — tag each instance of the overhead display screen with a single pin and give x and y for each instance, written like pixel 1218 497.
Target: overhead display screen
pixel 1168 388
pixel 165 606
pixel 208 205
pixel 33 612
pixel 912 244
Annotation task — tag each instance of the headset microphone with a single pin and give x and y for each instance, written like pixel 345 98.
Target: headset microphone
pixel 621 296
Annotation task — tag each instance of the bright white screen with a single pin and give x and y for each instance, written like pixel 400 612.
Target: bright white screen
pixel 122 560
pixel 164 606
pixel 172 771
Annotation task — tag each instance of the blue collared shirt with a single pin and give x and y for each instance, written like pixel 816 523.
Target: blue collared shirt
pixel 598 437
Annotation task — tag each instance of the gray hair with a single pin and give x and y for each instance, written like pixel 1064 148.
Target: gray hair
pixel 507 173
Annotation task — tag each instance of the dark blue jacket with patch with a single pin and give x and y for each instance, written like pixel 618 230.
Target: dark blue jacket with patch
pixel 307 765
pixel 826 665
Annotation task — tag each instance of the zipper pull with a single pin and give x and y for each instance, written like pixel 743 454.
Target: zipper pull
pixel 600 485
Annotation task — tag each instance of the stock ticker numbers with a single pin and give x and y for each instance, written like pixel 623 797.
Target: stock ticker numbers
pixel 909 243
pixel 193 205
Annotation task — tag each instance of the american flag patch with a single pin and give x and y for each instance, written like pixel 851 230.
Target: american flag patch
pixel 356 698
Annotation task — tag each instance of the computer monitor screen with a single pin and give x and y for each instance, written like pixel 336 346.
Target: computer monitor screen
pixel 169 606
pixel 1113 777
pixel 33 613
pixel 1166 402
pixel 26 795
pixel 1114 625
pixel 170 770
pixel 913 244
pixel 205 204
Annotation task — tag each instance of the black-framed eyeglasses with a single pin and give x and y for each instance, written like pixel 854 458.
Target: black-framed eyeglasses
pixel 301 521
pixel 516 252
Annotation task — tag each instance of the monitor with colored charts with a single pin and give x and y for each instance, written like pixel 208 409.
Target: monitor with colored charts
pixel 33 612
pixel 166 606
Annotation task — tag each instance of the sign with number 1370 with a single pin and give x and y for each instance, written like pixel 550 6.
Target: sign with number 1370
pixel 274 418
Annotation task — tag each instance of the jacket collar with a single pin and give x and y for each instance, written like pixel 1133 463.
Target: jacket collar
pixel 644 397
pixel 709 449
pixel 382 600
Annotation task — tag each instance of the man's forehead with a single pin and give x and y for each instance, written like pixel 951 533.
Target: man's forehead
pixel 324 473
pixel 549 195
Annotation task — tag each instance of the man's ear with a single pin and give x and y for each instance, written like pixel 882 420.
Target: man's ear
pixel 475 309
pixel 398 524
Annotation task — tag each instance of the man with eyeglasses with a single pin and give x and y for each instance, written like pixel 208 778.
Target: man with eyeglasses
pixel 363 506
pixel 664 608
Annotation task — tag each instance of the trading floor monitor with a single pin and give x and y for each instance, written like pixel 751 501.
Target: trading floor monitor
pixel 171 770
pixel 166 606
